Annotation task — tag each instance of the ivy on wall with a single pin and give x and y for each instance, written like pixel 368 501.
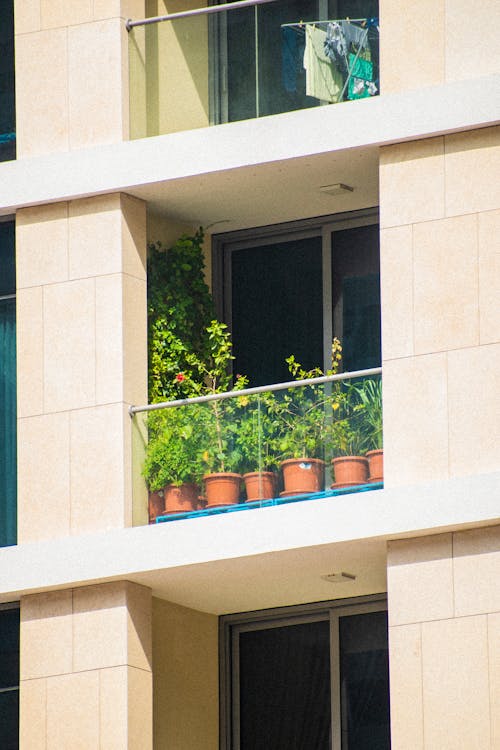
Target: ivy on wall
pixel 180 309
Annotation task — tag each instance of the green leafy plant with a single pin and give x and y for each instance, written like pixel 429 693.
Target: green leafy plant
pixel 356 426
pixel 304 412
pixel 343 436
pixel 257 435
pixel 370 398
pixel 175 452
pixel 211 376
pixel 180 308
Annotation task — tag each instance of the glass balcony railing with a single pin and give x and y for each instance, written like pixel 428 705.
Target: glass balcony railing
pixel 259 446
pixel 272 56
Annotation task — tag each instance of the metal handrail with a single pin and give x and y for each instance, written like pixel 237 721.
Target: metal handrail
pixel 256 389
pixel 195 12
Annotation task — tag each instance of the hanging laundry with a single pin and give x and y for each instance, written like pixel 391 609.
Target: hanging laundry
pixel 356 35
pixel 361 84
pixel 323 79
pixel 292 54
pixel 336 47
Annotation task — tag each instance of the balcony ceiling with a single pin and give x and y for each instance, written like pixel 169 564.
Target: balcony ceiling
pixel 268 193
pixel 276 579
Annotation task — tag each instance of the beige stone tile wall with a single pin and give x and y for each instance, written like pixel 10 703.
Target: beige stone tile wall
pixel 71 73
pixel 82 360
pixel 86 679
pixel 444 640
pixel 437 41
pixel 440 280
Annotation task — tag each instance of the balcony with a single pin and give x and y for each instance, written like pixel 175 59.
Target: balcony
pixel 256 447
pixel 257 57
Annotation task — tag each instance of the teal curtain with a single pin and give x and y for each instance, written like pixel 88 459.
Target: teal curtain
pixel 8 489
pixel 8 439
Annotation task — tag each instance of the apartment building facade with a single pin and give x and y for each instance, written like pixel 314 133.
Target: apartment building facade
pixel 367 619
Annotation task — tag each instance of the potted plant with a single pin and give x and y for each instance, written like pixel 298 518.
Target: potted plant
pixel 370 395
pixel 174 461
pixel 256 441
pixel 303 415
pixel 345 437
pixel 211 376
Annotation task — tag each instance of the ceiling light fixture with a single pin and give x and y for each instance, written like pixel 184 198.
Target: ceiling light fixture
pixel 338 189
pixel 341 577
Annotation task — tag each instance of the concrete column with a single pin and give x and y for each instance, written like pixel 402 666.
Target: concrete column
pixel 444 641
pixel 86 681
pixel 440 251
pixel 82 360
pixel 440 281
pixel 72 73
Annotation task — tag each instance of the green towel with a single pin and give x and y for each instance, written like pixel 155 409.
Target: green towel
pixel 362 73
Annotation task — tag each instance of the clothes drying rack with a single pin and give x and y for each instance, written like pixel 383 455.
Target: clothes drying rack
pixel 366 23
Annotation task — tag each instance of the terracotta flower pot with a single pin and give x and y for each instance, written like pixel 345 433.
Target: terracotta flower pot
pixel 260 485
pixel 350 471
pixel 182 498
pixel 222 488
pixel 156 506
pixel 376 465
pixel 302 476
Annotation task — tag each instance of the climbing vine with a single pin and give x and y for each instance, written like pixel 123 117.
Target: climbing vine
pixel 180 309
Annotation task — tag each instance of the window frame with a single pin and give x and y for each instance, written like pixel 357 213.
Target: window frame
pixel 224 244
pixel 231 625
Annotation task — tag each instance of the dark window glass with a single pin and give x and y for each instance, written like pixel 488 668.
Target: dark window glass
pixel 7 259
pixel 356 295
pixel 9 678
pixel 9 720
pixel 277 304
pixel 285 688
pixel 364 677
pixel 9 648
pixel 7 85
pixel 277 308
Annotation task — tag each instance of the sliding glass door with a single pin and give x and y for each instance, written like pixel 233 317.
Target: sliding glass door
pixel 290 290
pixel 315 677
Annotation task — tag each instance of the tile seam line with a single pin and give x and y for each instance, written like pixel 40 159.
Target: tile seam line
pixel 44 29
pixel 72 409
pixel 90 670
pixel 453 618
pixel 83 278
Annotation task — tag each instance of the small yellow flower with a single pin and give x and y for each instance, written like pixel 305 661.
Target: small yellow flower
pixel 244 400
pixel 205 455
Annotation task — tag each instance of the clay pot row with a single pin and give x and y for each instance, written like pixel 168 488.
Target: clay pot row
pixel 300 476
pixel 220 489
